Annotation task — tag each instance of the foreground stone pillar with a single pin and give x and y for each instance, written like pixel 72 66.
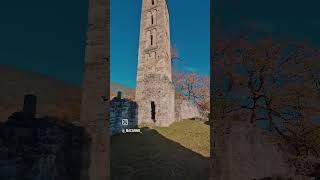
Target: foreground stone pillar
pixel 95 94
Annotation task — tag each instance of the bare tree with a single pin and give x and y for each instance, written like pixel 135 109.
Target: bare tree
pixel 193 87
pixel 272 82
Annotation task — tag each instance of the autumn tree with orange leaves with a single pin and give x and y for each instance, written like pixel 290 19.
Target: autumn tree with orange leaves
pixel 194 87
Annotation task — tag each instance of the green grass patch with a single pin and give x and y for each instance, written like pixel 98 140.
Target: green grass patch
pixel 191 134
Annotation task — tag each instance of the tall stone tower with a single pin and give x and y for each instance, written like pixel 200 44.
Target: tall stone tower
pixel 95 93
pixel 155 93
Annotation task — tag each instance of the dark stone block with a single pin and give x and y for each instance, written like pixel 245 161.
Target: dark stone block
pixel 30 106
pixel 42 149
pixel 119 94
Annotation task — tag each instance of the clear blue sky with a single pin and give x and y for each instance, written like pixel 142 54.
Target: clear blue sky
pixel 280 19
pixel 190 33
pixel 48 37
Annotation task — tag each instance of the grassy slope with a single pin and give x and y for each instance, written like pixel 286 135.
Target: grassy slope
pixel 179 152
pixel 193 135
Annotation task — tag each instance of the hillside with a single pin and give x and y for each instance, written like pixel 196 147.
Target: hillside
pixel 126 92
pixel 55 98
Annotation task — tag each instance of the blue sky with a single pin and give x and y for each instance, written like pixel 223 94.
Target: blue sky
pixel 190 33
pixel 280 19
pixel 48 37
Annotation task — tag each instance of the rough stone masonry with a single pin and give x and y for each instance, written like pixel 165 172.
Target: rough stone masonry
pixel 122 109
pixel 155 93
pixel 94 116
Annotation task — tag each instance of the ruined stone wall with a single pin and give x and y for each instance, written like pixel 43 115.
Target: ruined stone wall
pixel 42 148
pixel 245 152
pixel 122 109
pixel 186 110
pixel 239 150
pixel 96 92
pixel 250 156
pixel 154 77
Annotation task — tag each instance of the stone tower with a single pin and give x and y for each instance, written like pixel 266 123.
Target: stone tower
pixel 95 93
pixel 155 93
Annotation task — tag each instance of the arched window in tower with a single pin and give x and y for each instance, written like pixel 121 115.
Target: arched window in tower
pixel 151 19
pixel 151 39
pixel 152 1
pixel 147 39
pixel 153 111
pixel 154 37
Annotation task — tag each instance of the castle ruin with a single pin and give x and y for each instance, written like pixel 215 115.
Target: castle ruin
pixel 155 93
pixel 95 93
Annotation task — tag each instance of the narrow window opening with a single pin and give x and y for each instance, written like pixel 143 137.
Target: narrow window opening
pixel 152 2
pixel 151 19
pixel 151 38
pixel 153 111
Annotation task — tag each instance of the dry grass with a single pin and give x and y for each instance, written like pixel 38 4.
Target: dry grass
pixel 191 134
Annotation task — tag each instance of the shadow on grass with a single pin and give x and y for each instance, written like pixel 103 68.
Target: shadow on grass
pixel 150 155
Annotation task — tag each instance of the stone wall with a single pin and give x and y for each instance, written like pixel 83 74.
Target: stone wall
pixel 42 148
pixel 241 151
pixel 96 88
pixel 122 109
pixel 238 151
pixel 161 91
pixel 250 156
pixel 154 58
pixel 185 109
